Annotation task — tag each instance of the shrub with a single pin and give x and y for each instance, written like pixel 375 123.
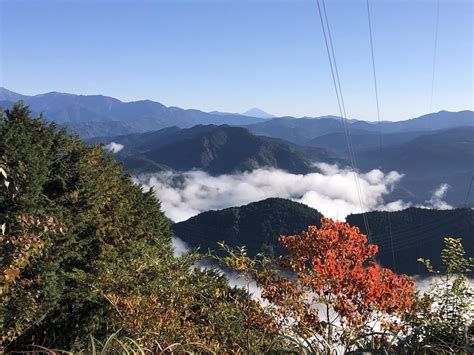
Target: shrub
pixel 328 290
pixel 444 323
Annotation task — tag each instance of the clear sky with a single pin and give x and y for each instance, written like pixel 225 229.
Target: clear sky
pixel 230 55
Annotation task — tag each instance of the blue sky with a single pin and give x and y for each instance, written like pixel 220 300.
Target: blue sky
pixel 230 55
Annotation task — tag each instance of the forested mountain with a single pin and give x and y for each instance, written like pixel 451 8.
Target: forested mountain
pixel 426 158
pixel 299 130
pixel 445 156
pixel 215 149
pixel 256 226
pixel 416 232
pixel 362 141
pixel 431 122
pixel 432 154
pixel 430 150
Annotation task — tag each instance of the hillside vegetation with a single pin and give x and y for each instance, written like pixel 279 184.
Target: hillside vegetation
pixel 214 149
pixel 87 266
pixel 256 226
pixel 86 252
pixel 414 232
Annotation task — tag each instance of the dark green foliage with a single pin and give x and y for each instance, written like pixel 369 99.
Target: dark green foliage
pixel 442 321
pixel 105 214
pixel 110 267
pixel 415 232
pixel 256 226
pixel 215 149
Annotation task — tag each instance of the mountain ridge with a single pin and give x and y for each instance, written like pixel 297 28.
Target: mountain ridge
pixel 74 111
pixel 89 116
pixel 214 149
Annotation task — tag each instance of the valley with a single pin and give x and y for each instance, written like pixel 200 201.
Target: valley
pixel 432 157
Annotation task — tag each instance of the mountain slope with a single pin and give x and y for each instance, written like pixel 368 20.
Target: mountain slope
pixel 416 233
pixel 445 156
pixel 256 225
pixel 432 122
pixel 296 130
pixel 215 149
pixel 361 141
pixel 304 130
pixel 428 154
pixel 427 158
pixel 7 95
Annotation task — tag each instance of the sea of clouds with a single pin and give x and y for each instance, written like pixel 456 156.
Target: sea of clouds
pixel 331 191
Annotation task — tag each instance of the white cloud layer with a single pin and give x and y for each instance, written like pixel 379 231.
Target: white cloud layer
pixel 332 191
pixel 114 147
pixel 436 200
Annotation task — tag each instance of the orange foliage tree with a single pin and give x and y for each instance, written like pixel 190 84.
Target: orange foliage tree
pixel 328 290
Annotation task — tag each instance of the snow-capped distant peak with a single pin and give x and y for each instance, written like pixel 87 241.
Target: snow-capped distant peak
pixel 256 112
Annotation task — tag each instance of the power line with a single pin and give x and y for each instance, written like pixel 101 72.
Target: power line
pixel 421 228
pixel 468 192
pixel 341 104
pixel 426 235
pixel 374 72
pixel 406 244
pixel 434 56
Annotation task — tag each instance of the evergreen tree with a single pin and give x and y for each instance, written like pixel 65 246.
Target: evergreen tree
pixel 112 265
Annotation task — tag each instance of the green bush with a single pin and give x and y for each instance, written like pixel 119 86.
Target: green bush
pixel 445 324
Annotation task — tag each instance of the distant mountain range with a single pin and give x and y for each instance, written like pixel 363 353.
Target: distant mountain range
pixel 430 150
pixel 307 130
pixel 426 158
pixel 215 149
pixel 91 114
pixel 98 115
pixel 415 233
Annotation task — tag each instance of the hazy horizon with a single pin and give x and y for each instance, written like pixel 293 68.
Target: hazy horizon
pixel 233 55
pixel 371 119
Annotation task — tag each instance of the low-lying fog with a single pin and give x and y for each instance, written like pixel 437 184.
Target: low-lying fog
pixel 332 191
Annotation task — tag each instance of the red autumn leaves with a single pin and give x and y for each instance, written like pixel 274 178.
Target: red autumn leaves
pixel 336 259
pixel 333 268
